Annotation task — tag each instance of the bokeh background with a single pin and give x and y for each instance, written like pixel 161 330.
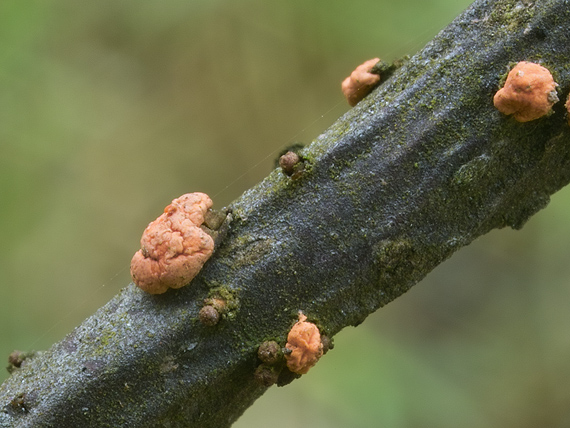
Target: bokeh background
pixel 110 109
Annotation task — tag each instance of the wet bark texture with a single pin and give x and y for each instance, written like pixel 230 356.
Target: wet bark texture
pixel 418 169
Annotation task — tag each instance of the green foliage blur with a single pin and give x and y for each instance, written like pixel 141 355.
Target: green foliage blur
pixel 110 109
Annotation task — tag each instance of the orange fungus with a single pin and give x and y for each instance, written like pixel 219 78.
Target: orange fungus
pixel 529 92
pixel 360 82
pixel 173 247
pixel 305 346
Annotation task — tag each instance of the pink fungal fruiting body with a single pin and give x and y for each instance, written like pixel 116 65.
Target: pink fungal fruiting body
pixel 305 346
pixel 528 94
pixel 173 247
pixel 360 82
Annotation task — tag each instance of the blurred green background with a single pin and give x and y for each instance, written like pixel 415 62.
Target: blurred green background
pixel 110 109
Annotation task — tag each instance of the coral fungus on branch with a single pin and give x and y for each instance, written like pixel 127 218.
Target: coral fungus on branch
pixel 304 342
pixel 173 247
pixel 529 92
pixel 360 82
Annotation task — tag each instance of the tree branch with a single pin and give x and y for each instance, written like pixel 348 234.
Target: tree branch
pixel 418 169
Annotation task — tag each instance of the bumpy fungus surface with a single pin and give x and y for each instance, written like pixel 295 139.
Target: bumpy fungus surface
pixel 360 82
pixel 270 352
pixel 173 247
pixel 209 316
pixel 529 92
pixel 288 162
pixel 304 342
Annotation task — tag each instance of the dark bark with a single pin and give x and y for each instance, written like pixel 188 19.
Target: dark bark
pixel 420 168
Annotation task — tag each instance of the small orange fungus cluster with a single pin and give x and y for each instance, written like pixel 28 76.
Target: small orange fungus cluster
pixel 528 94
pixel 173 247
pixel 304 342
pixel 360 82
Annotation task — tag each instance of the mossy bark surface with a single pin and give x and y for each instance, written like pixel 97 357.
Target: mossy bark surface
pixel 418 169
